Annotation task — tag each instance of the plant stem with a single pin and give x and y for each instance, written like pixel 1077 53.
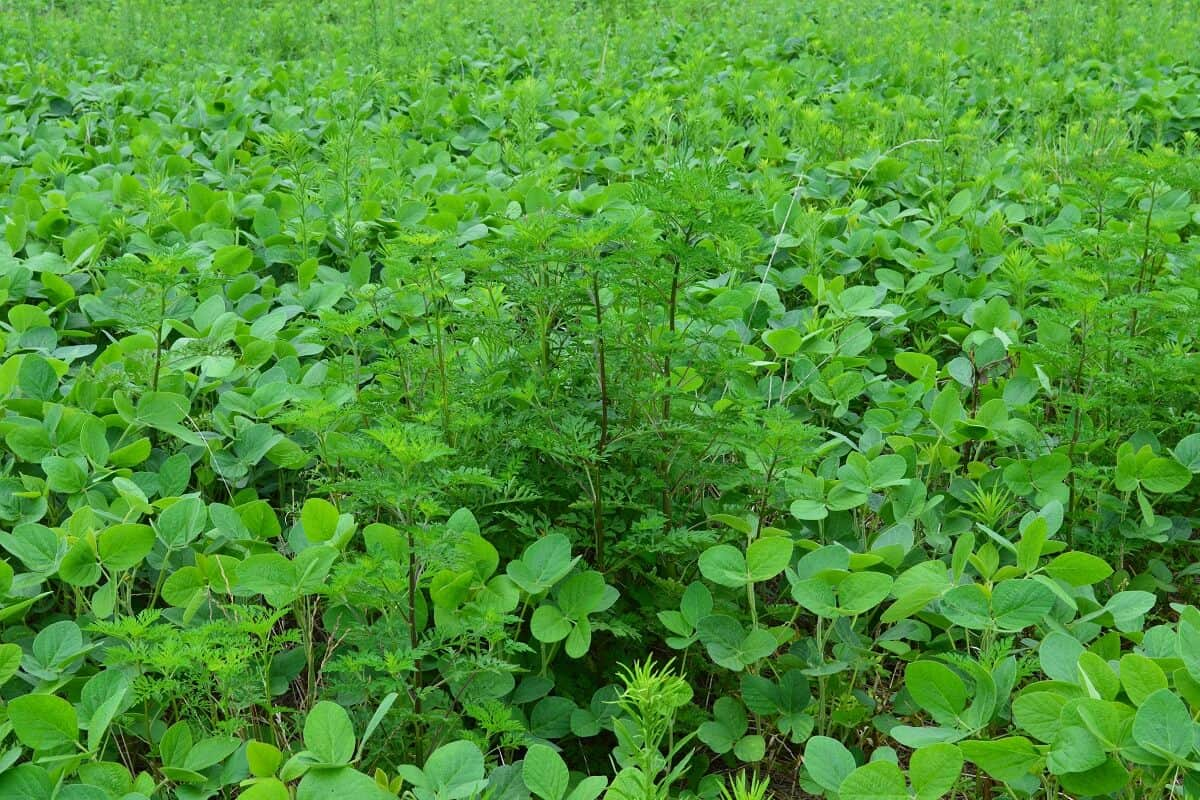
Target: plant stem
pixel 440 352
pixel 665 465
pixel 602 444
pixel 414 638
pixel 158 337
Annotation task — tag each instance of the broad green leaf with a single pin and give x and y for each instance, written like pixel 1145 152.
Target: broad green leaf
pixel 37 378
pixel 548 624
pixel 208 752
pixel 1107 720
pixel 39 548
pixel 340 783
pixel 268 574
pixel 271 789
pixel 784 341
pixel 918 365
pixel 727 726
pixel 131 454
pixel 105 713
pixel 232 259
pixel 328 734
pixel 58 643
pixel 174 475
pixel 985 693
pixel 263 758
pixel 449 589
pixel 583 593
pixel 1074 749
pixel 1164 725
pixel 319 518
pixel 915 737
pixel 123 546
pixel 1164 475
pixel 579 640
pixel 696 603
pixel 828 762
pixel 588 789
pixel 1128 609
pixel 26 782
pixel 750 748
pixel 1018 604
pixel 43 721
pixel 934 769
pixel 175 744
pixel 1189 643
pixel 807 508
pixel 544 563
pixel 312 566
pixel 182 522
pixel 1096 677
pixel 162 409
pixel 1058 655
pixel 937 689
pixel 860 592
pixel 545 773
pixel 915 588
pixel 960 203
pixel 1008 759
pixel 457 767
pixel 78 566
pixel 551 717
pixel 10 661
pixel 64 475
pixel 886 471
pixel 1187 452
pixel 181 586
pixel 818 595
pixel 768 556
pixel 1079 569
pixel 967 606
pixel 1102 781
pixel 879 780
pixel 1140 677
pixel 1039 713
pixel 731 646
pixel 947 409
pixel 725 565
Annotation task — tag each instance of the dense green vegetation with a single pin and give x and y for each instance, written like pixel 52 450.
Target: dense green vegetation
pixel 599 399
